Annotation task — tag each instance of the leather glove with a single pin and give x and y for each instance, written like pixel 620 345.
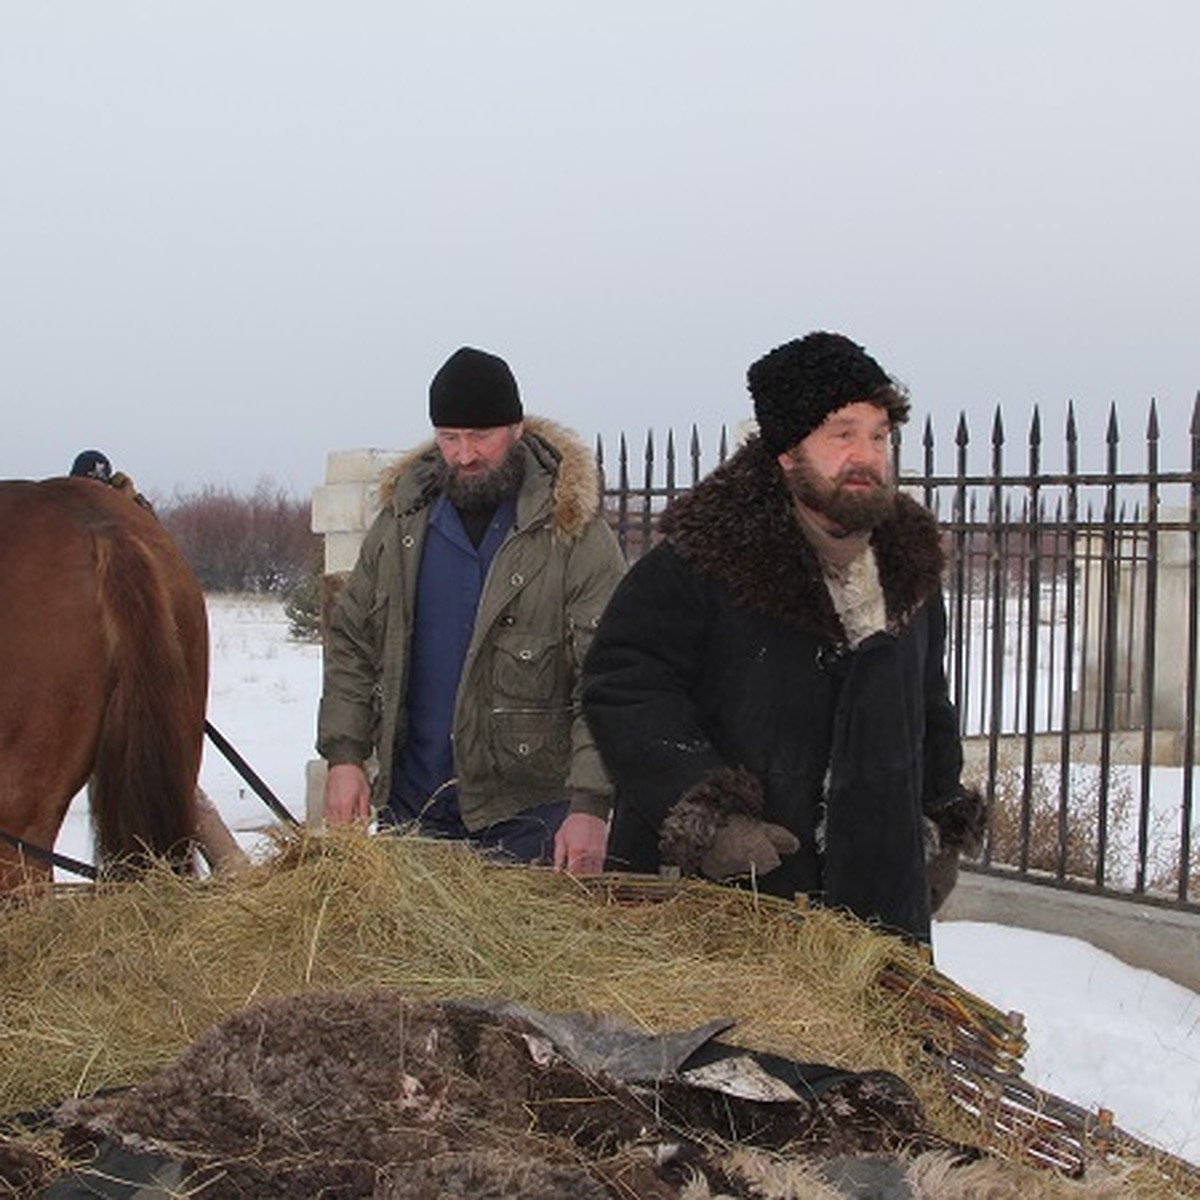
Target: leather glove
pixel 745 845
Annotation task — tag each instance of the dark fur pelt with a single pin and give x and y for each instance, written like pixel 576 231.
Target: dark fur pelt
pixel 25 1170
pixel 952 830
pixel 367 1094
pixel 691 825
pixel 737 526
pixel 501 1174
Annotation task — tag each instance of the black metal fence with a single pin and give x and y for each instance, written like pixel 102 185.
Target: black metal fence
pixel 1073 599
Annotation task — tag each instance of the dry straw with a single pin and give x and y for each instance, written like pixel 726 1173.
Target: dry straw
pixel 101 986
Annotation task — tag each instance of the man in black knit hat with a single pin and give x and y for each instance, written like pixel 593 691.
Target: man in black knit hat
pixel 92 464
pixel 767 686
pixel 454 651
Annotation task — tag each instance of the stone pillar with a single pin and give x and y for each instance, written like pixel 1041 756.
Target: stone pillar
pixel 1171 571
pixel 1175 568
pixel 342 509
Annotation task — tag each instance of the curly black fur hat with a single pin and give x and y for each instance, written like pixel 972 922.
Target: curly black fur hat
pixel 797 385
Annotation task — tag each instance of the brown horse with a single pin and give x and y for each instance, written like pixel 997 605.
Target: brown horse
pixel 103 678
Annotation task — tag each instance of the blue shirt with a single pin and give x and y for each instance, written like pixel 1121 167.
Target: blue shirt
pixel 449 585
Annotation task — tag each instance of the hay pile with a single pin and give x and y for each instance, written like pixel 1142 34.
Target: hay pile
pixel 102 987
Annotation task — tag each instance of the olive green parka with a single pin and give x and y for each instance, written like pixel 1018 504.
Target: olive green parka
pixel 519 735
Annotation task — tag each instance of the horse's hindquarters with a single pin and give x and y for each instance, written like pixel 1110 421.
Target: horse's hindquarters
pixel 103 670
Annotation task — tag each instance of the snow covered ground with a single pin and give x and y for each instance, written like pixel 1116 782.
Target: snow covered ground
pixel 1100 1033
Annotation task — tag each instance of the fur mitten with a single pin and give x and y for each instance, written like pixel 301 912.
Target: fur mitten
pixel 952 829
pixel 747 846
pixel 716 828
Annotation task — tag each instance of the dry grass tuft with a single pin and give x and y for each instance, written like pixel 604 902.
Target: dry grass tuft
pixel 100 986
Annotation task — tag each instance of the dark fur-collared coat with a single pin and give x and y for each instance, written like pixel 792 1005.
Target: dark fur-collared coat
pixel 721 650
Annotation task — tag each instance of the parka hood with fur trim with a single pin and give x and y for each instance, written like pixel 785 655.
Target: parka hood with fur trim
pixel 411 483
pixel 737 527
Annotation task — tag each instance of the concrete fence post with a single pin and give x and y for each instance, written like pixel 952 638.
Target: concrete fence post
pixel 342 509
pixel 1172 572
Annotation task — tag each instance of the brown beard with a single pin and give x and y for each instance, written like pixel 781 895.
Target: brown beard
pixel 479 493
pixel 852 512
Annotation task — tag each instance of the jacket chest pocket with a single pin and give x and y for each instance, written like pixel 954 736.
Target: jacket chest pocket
pixel 525 670
pixel 531 748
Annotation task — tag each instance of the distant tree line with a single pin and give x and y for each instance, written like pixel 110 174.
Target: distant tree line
pixel 257 543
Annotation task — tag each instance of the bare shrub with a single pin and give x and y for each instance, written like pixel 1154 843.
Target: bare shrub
pixel 257 543
pixel 1070 843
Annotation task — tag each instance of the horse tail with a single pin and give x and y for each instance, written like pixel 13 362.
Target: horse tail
pixel 142 789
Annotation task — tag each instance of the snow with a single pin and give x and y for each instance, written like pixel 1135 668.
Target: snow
pixel 1100 1033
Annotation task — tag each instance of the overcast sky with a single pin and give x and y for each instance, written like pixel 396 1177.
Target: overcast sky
pixel 238 234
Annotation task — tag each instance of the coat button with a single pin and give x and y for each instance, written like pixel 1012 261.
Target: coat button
pixel 408 541
pixel 525 655
pixel 517 579
pixel 523 748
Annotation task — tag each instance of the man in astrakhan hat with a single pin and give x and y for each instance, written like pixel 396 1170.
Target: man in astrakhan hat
pixel 767 686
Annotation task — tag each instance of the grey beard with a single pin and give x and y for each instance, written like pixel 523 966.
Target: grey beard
pixel 485 491
pixel 852 512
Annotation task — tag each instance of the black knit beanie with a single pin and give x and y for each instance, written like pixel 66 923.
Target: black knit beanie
pixel 797 385
pixel 92 464
pixel 474 390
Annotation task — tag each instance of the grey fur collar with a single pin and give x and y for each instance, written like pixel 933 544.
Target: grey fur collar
pixel 555 454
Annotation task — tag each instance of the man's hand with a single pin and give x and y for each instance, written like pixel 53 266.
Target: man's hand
pixel 745 846
pixel 347 795
pixel 580 843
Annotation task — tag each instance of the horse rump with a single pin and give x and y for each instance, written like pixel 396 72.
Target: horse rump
pixel 142 788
